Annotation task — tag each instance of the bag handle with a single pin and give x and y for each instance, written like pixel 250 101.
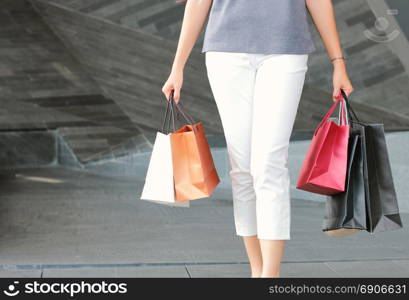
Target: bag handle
pixel 180 110
pixel 349 107
pixel 169 116
pixel 342 116
pixel 172 109
pixel 328 114
pixel 177 107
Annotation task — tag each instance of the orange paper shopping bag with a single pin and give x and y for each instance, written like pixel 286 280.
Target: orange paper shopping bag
pixel 194 172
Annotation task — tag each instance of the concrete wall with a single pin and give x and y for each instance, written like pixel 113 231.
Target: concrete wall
pixel 378 73
pixel 43 86
pixel 94 69
pixel 130 66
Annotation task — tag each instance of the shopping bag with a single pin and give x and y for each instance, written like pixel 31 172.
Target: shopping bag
pixel 195 174
pixel 345 212
pixel 324 167
pixel 159 183
pixel 383 210
pixel 381 201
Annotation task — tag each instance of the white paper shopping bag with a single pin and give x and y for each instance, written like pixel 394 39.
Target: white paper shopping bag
pixel 159 185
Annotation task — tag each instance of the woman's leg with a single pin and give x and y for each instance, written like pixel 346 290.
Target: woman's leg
pixel 232 78
pixel 278 88
pixel 271 252
pixel 252 245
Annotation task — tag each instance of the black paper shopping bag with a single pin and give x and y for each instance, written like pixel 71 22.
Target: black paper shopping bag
pixel 381 202
pixel 345 212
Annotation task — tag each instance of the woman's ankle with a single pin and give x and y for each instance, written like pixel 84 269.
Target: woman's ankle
pixel 275 274
pixel 256 273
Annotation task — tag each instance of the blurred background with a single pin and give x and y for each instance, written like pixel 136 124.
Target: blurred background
pixel 92 71
pixel 80 95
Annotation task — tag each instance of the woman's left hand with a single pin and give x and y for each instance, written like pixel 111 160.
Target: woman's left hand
pixel 341 80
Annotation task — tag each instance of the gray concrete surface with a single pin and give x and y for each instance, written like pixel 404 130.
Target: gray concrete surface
pixel 378 72
pixel 401 7
pixel 63 223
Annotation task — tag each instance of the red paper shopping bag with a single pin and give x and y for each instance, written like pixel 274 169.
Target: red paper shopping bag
pixel 324 168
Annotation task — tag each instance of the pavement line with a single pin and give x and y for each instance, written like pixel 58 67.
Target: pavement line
pixel 74 266
pixel 187 271
pixel 121 265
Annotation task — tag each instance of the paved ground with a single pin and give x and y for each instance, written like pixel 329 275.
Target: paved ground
pixel 62 223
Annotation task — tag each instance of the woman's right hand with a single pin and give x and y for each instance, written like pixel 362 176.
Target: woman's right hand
pixel 174 82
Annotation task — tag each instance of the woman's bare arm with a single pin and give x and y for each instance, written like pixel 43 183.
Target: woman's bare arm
pixel 195 15
pixel 322 13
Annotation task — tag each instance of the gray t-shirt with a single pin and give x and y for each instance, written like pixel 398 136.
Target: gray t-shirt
pixel 258 26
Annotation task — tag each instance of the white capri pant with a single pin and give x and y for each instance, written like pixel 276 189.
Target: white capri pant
pixel 257 96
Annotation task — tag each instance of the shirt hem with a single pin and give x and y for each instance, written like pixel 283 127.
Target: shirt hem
pixel 260 51
pixel 307 48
